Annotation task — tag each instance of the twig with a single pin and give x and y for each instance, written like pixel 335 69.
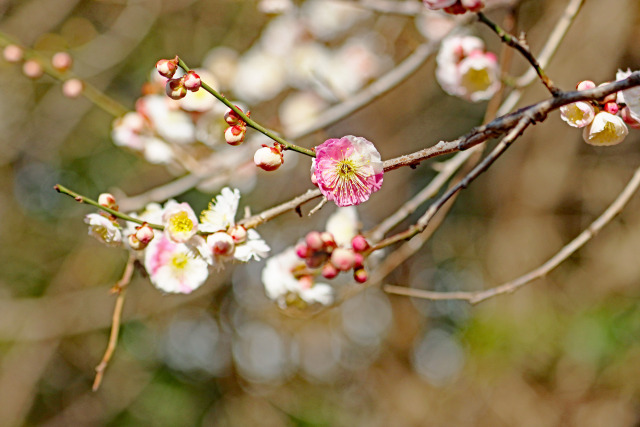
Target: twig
pixel 317 207
pixel 520 45
pixel 248 120
pixel 121 289
pixel 422 223
pixel 565 252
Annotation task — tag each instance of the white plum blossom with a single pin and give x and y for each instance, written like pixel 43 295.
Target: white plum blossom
pixel 103 229
pixel 578 114
pixel 282 285
pixel 299 110
pixel 464 69
pixel 170 123
pixel 174 267
pixel 630 97
pixel 129 131
pixel 220 217
pixel 180 222
pixel 605 129
pixel 343 224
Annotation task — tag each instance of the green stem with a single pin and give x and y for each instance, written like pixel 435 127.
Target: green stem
pixel 82 199
pixel 521 47
pixel 248 120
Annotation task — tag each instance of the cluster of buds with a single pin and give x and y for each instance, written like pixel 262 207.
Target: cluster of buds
pixel 237 130
pixel 604 122
pixel 320 251
pixel 176 88
pixel 455 7
pixel 141 238
pixel 269 158
pixel 32 68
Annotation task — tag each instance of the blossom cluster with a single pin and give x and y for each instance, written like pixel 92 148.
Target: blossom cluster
pixel 604 122
pixel 290 277
pixel 179 258
pixel 466 70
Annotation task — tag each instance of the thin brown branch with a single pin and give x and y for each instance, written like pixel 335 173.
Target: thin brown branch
pixel 565 252
pixel 519 44
pixel 121 289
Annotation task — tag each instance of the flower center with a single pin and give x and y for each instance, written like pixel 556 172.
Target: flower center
pixel 346 169
pixel 476 80
pixel 179 261
pixel 181 223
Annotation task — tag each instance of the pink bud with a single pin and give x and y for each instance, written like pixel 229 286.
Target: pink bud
pixel 328 242
pixel 306 282
pixel 175 89
pixel 359 262
pixel 359 243
pixel 611 107
pixel 107 200
pixel 585 84
pixel 314 241
pixel 221 243
pixel 231 117
pixel 238 233
pixel 302 250
pixel 32 69
pixel 329 271
pixel 13 53
pixel 360 275
pixel 135 244
pixel 61 61
pixel 268 158
pixel 234 135
pixel 456 9
pixel 144 234
pixel 72 88
pixel 167 67
pixel 192 81
pixel 473 5
pixel 343 259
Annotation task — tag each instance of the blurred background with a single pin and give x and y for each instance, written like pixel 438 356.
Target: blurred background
pixel 563 351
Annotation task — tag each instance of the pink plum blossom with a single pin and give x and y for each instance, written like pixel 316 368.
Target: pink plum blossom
pixel 348 170
pixel 174 267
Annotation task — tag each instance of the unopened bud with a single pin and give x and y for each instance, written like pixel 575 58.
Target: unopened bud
pixel 585 84
pixel 221 243
pixel 360 275
pixel 234 135
pixel 268 158
pixel 611 107
pixel 359 243
pixel 343 259
pixel 192 81
pixel 167 67
pixel 302 250
pixel 328 242
pixel 329 271
pixel 62 61
pixel 314 241
pixel 238 233
pixel 144 234
pixel 473 5
pixel 316 260
pixel 456 9
pixel 175 89
pixel 13 53
pixel 135 244
pixel 72 88
pixel 359 261
pixel 231 117
pixel 32 69
pixel 306 282
pixel 107 200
